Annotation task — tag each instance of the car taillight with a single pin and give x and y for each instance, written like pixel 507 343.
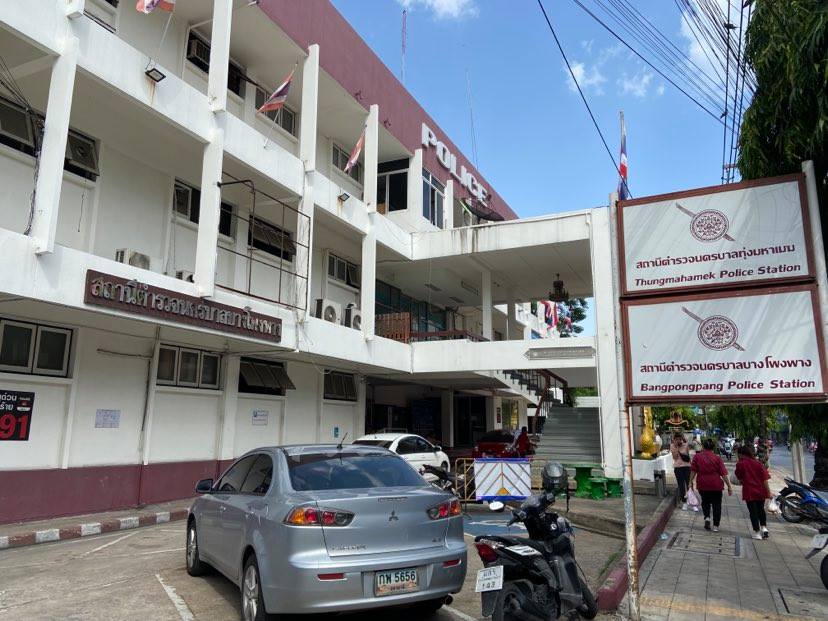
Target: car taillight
pixel 450 508
pixel 311 516
pixel 485 551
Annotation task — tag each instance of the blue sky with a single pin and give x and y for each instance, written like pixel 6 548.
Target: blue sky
pixel 536 144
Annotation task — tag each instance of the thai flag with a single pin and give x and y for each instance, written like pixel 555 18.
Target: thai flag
pixel 148 6
pixel 623 190
pixel 357 150
pixel 277 99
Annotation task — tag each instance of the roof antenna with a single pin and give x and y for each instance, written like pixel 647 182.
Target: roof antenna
pixel 339 446
pixel 404 42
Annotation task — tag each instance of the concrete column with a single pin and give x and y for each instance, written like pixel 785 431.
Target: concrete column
pixel 605 321
pixel 447 417
pixel 415 186
pixel 448 206
pixel 209 209
pixel 242 264
pixel 226 432
pixel 79 341
pixel 219 55
pixel 145 445
pixel 511 322
pixel 798 459
pixel 486 294
pixel 369 275
pixel 53 148
pixel 304 256
pixel 74 8
pixel 310 104
pixel 369 182
pixel 359 416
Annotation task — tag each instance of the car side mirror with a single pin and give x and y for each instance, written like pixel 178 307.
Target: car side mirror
pixel 437 448
pixel 204 486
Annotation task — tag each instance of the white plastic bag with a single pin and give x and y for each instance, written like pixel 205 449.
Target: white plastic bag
pixel 693 499
pixel 771 506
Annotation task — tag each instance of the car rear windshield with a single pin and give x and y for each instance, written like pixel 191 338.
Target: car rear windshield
pixel 381 443
pixel 496 436
pixel 327 471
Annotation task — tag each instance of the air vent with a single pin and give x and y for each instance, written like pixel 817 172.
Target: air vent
pixel 14 124
pixel 82 152
pixel 198 53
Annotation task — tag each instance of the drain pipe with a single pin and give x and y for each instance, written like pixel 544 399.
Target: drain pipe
pixel 152 370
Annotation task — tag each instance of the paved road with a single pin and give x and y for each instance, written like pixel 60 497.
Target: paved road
pixel 781 458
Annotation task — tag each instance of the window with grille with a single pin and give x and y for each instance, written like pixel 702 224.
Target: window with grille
pixel 340 160
pixel 186 204
pixel 187 367
pixel 340 386
pixel 33 348
pixel 271 239
pixel 264 377
pixel 284 117
pixel 433 195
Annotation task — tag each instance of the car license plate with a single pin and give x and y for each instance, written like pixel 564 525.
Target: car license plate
pixel 819 541
pixel 395 581
pixel 489 579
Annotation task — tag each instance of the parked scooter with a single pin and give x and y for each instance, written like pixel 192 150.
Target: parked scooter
pixel 534 578
pixel 818 543
pixel 799 502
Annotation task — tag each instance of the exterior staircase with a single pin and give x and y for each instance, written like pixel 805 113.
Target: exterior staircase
pixel 570 435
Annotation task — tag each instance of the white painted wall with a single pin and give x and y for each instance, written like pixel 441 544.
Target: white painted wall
pixel 302 405
pixel 184 425
pixel 339 415
pixel 249 436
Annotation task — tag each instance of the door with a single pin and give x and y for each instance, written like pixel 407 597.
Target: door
pixel 426 453
pixel 228 487
pixel 240 507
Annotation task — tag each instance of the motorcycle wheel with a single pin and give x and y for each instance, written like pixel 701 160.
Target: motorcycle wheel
pixel 823 571
pixel 589 609
pixel 789 508
pixel 507 606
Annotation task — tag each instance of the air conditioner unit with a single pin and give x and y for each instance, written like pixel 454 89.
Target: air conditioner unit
pixel 137 259
pixel 198 51
pixel 328 310
pixel 14 123
pixel 184 275
pixel 82 152
pixel 353 317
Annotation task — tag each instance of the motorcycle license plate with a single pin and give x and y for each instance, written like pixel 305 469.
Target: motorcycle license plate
pixel 395 581
pixel 489 579
pixel 819 541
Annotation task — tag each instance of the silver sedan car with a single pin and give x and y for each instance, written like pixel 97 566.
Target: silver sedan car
pixel 310 529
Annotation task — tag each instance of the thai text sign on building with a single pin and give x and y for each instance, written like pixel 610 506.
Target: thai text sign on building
pixel 716 236
pixel 752 344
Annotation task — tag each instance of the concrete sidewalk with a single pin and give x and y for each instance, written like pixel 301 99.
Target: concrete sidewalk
pixel 696 574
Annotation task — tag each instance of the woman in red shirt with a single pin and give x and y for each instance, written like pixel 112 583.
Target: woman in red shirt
pixel 754 479
pixel 710 472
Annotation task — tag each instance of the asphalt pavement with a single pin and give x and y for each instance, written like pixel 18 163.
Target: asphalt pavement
pixel 781 457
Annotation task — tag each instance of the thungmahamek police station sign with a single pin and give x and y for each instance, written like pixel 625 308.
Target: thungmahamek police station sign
pixel 719 299
pixel 716 236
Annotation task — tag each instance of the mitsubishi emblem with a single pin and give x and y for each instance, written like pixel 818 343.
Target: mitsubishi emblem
pixel 393 517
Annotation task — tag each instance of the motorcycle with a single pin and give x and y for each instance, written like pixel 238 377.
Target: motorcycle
pixel 799 502
pixel 534 578
pixel 445 480
pixel 818 543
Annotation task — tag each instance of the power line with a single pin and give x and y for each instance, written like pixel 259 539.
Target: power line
pixel 583 98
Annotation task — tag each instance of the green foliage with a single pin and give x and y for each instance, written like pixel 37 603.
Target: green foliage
pixel 743 421
pixel 787 121
pixel 583 391
pixel 808 421
pixel 576 309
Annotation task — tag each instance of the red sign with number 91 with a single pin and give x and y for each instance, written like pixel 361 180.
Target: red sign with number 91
pixel 15 415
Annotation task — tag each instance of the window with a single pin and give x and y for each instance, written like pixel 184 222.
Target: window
pixel 187 202
pixel 392 186
pixel 343 271
pixel 198 53
pixel 36 349
pixel 284 117
pixel 340 160
pixel 407 445
pixel 343 470
pixel 184 366
pixel 340 386
pixel 260 475
pixel 18 130
pixel 232 480
pixel 423 446
pixel 264 377
pixel 433 193
pixel 271 239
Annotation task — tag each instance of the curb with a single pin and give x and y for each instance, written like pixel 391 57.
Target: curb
pixel 615 586
pixel 91 528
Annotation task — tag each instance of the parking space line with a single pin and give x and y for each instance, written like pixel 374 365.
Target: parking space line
pixel 180 605
pixel 457 613
pixel 108 543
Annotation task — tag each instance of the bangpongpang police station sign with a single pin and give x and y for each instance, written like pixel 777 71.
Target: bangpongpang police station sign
pixel 751 233
pixel 753 345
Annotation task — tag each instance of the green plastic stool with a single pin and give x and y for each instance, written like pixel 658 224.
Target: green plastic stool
pixel 614 488
pixel 597 489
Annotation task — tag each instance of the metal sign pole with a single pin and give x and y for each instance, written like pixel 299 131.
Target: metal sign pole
pixel 624 422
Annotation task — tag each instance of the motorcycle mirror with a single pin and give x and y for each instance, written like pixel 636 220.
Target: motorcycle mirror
pixel 496 505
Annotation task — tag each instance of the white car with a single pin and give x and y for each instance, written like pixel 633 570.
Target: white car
pixel 416 450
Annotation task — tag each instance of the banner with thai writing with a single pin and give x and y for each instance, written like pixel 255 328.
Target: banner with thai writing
pixel 748 233
pixel 753 346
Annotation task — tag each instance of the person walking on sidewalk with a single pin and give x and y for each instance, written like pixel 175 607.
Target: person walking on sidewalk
pixel 710 472
pixel 754 477
pixel 680 451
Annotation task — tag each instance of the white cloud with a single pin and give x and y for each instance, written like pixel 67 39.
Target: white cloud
pixel 637 85
pixel 587 45
pixel 590 79
pixel 701 54
pixel 444 9
pixel 660 90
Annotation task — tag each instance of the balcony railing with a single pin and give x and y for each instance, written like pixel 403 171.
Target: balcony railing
pixel 397 326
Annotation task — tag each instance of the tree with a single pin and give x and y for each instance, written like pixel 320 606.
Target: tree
pixel 787 123
pixel 570 314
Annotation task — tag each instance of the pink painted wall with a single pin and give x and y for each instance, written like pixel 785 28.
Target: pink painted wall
pixel 348 59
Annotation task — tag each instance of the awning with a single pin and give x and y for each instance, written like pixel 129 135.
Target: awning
pixel 481 211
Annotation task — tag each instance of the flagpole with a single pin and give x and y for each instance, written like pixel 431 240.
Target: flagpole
pixel 151 62
pixel 270 131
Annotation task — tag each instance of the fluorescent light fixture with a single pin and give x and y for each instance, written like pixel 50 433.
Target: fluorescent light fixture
pixel 155 74
pixel 456 299
pixel 469 288
pixel 559 353
pixel 343 197
pixel 432 287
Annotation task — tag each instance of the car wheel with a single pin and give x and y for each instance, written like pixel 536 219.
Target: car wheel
pixel 195 566
pixel 253 608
